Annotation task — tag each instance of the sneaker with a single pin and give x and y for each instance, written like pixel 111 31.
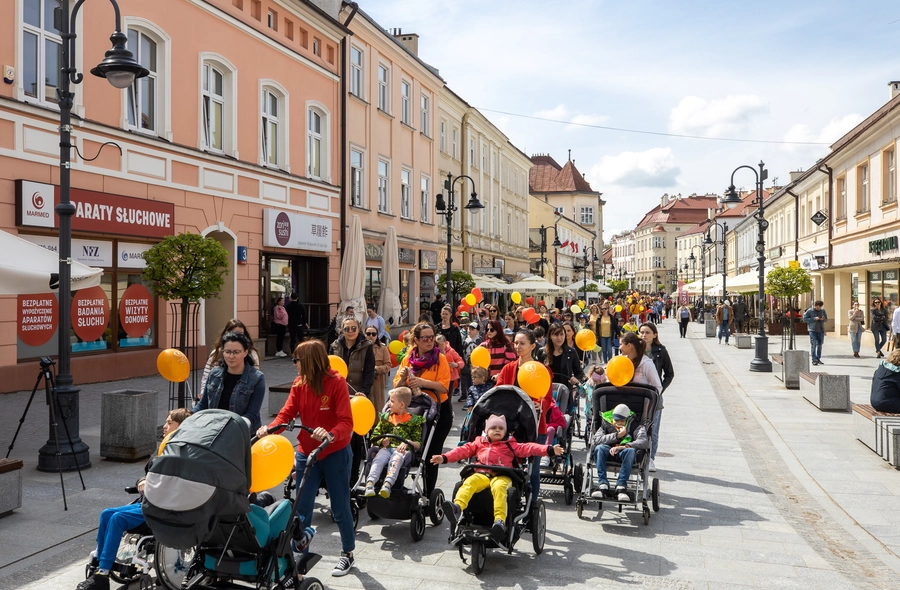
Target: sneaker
pixel 280 354
pixel 598 494
pixel 545 462
pixel 306 537
pixel 95 582
pixel 498 531
pixel 453 513
pixel 815 362
pixel 370 490
pixel 385 491
pixel 343 565
pixel 819 362
pixel 623 497
pixel 652 465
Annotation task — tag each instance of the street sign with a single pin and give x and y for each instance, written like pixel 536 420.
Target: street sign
pixel 794 263
pixel 819 218
pixel 487 270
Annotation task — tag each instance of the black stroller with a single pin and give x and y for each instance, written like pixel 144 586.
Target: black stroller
pixel 524 512
pixel 406 503
pixel 563 471
pixel 642 401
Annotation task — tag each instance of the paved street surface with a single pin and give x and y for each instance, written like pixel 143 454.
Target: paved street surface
pixel 758 489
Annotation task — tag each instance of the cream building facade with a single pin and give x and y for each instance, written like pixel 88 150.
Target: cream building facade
pixel 623 246
pixel 564 264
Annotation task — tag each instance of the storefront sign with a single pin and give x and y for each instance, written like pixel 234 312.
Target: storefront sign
pixel 37 316
pixel 94 212
pixel 91 252
pixel 883 245
pixel 428 260
pixel 775 252
pixel 131 255
pixel 135 311
pixel 487 270
pixel 90 313
pixel 374 251
pixel 284 229
pixel 406 255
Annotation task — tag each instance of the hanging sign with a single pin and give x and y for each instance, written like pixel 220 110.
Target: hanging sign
pixel 90 313
pixel 36 318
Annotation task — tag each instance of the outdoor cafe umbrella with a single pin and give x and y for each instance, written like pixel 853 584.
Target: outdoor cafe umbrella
pixel 31 269
pixel 389 302
pixel 353 271
pixel 535 285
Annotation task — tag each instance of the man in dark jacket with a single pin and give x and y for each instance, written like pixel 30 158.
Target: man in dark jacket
pixel 815 318
pixel 297 322
pixel 436 306
pixel 740 314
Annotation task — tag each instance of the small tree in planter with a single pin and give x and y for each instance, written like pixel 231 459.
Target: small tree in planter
pixel 788 283
pixel 188 267
pixel 463 283
pixel 617 285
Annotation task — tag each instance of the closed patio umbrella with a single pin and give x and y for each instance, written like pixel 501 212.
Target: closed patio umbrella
pixel 353 271
pixel 389 302
pixel 27 268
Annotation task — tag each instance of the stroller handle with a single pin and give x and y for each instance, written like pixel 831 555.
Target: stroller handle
pixel 290 425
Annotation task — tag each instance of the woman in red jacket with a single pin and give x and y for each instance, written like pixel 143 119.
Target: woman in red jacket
pixel 321 400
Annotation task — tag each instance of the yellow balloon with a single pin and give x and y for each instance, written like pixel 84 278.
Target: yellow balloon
pixel 271 460
pixel 641 308
pixel 618 309
pixel 585 339
pixel 516 297
pixel 575 309
pixel 338 364
pixel 471 299
pixel 480 357
pixel 534 379
pixel 363 412
pixel 395 346
pixel 619 370
pixel 173 365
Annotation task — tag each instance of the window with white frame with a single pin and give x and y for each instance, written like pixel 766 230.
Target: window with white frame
pixel 383 85
pixel 316 149
pixel 405 204
pixel 559 210
pixel 405 105
pixel 41 50
pixel 842 197
pixel 443 138
pixel 356 178
pixel 356 71
pixel 271 128
pixel 213 108
pixel 454 143
pixel 471 152
pixel 862 188
pixel 484 162
pixel 424 102
pixel 889 184
pixel 383 187
pixel 425 200
pixel 142 95
pixel 587 216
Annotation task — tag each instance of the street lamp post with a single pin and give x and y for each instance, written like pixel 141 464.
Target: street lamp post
pixel 760 362
pixel 584 271
pixel 446 209
pixel 120 69
pixel 556 243
pixel 723 227
pixel 702 278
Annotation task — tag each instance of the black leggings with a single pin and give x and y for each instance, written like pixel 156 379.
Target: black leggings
pixel 682 326
pixel 441 430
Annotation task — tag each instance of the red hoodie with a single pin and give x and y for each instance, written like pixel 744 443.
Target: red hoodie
pixel 330 410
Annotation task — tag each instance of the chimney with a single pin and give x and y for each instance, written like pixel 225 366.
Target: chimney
pixel 409 40
pixel 893 89
pixel 798 173
pixel 664 200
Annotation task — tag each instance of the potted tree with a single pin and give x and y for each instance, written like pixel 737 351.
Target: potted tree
pixel 787 283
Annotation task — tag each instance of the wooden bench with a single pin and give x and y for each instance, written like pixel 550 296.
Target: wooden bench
pixel 830 393
pixel 879 431
pixel 10 485
pixel 278 395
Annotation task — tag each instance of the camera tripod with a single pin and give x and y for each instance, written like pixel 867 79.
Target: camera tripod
pixel 46 373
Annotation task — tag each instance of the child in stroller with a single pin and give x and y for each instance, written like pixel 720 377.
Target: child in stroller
pixel 393 453
pixel 619 435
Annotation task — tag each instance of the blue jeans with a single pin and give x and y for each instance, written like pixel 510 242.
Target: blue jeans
pixel 854 339
pixel 601 454
pixel 654 437
pixel 606 347
pixel 113 523
pixel 724 331
pixel 335 470
pixel 536 470
pixel 815 345
pixel 880 335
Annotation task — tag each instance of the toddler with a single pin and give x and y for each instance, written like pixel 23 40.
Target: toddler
pixel 619 434
pixel 556 423
pixel 394 454
pixel 492 448
pixel 454 361
pixel 480 383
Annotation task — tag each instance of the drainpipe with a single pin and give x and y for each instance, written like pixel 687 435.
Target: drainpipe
pixel 796 223
pixel 354 8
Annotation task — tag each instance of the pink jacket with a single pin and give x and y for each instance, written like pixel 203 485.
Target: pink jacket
pixel 555 417
pixel 453 357
pixel 500 453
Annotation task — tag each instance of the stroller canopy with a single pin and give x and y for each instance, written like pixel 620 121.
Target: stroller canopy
pixel 510 402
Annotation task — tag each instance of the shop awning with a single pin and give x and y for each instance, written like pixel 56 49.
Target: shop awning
pixel 746 282
pixel 27 268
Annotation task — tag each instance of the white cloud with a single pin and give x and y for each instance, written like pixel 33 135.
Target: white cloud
pixel 715 118
pixel 651 168
pixel 831 132
pixel 559 113
pixel 577 122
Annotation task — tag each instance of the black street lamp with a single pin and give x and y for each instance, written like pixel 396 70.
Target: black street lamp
pixel 584 271
pixel 723 227
pixel 760 362
pixel 702 277
pixel 120 69
pixel 556 243
pixel 446 209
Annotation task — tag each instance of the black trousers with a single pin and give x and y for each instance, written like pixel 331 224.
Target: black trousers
pixel 682 327
pixel 296 337
pixel 441 430
pixel 279 337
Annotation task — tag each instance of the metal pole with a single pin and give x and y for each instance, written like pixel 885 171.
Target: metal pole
pixel 761 362
pixel 451 295
pixel 543 231
pixel 724 260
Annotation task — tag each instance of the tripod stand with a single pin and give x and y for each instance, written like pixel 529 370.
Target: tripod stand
pixel 46 373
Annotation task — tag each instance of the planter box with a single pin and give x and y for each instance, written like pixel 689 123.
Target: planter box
pixel 742 340
pixel 128 424
pixel 10 485
pixel 795 362
pixel 710 327
pixel 828 392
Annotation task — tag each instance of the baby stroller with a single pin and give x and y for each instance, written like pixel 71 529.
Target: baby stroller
pixel 197 496
pixel 562 471
pixel 524 512
pixel 641 400
pixel 405 502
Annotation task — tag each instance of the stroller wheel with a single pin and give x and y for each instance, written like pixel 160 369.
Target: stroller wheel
pixel 172 566
pixel 436 506
pixel 646 515
pixel 538 525
pixel 311 584
pixel 417 525
pixel 578 477
pixel 654 494
pixel 568 492
pixel 579 509
pixel 479 554
pixel 371 513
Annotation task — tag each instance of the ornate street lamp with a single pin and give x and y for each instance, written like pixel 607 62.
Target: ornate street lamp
pixel 723 227
pixel 447 209
pixel 556 243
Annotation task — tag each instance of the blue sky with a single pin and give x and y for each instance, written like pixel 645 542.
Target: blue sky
pixel 788 71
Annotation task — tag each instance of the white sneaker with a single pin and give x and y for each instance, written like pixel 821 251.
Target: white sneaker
pixel 280 354
pixel 597 494
pixel 623 497
pixel 652 465
pixel 545 462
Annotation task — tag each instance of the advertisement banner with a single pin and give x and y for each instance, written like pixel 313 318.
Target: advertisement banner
pixel 90 313
pixel 130 255
pixel 285 229
pixel 135 311
pixel 37 317
pixel 97 253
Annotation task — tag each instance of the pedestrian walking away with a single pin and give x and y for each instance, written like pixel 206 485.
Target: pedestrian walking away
pixel 280 324
pixel 740 314
pixel 297 320
pixel 855 327
pixel 878 323
pixel 815 318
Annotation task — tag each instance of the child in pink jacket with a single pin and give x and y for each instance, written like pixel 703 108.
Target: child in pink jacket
pixel 454 361
pixel 492 448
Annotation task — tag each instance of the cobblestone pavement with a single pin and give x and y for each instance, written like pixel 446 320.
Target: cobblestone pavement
pixel 759 489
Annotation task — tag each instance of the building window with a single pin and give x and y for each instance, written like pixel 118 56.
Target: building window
pixel 142 95
pixel 454 142
pixel 41 50
pixel 383 89
pixel 405 106
pixel 405 204
pixel 862 188
pixel 383 187
pixel 559 210
pixel 426 200
pixel 587 216
pixel 271 135
pixel 356 178
pixel 317 143
pixel 373 285
pixel 213 108
pixel 889 190
pixel 444 136
pixel 841 197
pixel 273 20
pixel 316 47
pixel 471 152
pixel 356 72
pixel 484 163
pixel 425 127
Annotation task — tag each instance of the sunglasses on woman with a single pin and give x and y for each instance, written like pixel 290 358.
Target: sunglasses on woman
pixel 350 329
pixel 371 333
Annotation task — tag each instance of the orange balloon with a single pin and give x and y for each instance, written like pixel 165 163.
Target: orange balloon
pixel 173 365
pixel 272 458
pixel 620 370
pixel 338 364
pixel 363 412
pixel 534 379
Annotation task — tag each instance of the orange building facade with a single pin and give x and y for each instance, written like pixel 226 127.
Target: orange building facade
pixel 234 135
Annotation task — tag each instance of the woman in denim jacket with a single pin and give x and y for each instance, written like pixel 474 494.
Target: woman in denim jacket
pixel 236 384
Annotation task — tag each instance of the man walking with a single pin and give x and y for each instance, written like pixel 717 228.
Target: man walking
pixel 297 321
pixel 815 318
pixel 724 318
pixel 740 314
pixel 436 306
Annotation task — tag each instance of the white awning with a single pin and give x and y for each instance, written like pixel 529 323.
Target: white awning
pixel 27 268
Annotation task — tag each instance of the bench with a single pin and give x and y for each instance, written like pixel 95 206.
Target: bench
pixel 778 360
pixel 879 431
pixel 830 393
pixel 278 395
pixel 742 340
pixel 10 485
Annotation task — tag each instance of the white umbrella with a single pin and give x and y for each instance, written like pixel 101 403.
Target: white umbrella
pixel 353 271
pixel 27 268
pixel 746 282
pixel 601 288
pixel 535 285
pixel 389 302
pixel 489 283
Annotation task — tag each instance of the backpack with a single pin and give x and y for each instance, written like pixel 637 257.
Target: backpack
pixel 203 472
